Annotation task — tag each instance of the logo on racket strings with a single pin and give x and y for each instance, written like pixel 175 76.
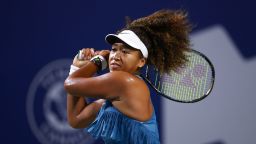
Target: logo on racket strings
pixel 189 77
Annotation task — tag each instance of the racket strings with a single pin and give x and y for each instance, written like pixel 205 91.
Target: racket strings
pixel 190 83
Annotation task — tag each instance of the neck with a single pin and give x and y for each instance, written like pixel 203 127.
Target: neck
pixel 136 73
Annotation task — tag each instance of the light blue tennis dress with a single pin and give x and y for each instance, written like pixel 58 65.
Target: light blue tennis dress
pixel 116 128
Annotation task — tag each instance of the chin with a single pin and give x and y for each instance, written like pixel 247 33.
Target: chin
pixel 111 70
pixel 115 69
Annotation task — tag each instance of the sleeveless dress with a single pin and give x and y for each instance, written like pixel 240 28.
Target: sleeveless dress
pixel 116 128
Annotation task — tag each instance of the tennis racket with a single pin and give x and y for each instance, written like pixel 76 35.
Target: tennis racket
pixel 189 84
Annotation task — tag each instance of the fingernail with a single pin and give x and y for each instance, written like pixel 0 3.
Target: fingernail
pixel 80 55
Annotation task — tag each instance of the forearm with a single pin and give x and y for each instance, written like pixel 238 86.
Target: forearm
pixel 75 104
pixel 74 107
pixel 85 71
pixel 88 114
pixel 79 113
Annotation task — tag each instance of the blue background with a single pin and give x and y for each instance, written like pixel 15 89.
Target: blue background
pixel 34 33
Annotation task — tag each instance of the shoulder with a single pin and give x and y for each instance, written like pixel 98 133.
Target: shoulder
pixel 122 77
pixel 126 84
pixel 133 95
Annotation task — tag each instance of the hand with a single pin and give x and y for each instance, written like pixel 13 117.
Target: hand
pixel 104 53
pixel 83 57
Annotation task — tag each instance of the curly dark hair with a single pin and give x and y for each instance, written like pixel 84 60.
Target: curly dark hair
pixel 166 35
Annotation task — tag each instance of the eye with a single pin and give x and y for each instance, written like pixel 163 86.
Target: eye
pixel 125 51
pixel 113 49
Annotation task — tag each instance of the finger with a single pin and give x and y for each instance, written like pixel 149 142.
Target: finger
pixel 92 52
pixel 80 55
pixel 87 52
pixel 105 53
pixel 96 53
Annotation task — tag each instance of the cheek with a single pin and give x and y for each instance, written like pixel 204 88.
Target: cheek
pixel 132 62
pixel 110 56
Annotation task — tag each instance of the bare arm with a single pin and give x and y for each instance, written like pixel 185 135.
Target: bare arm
pixel 115 86
pixel 108 86
pixel 79 113
pixel 81 84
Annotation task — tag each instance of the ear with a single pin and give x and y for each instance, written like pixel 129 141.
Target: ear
pixel 142 62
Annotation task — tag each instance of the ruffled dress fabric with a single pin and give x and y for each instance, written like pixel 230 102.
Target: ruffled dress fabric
pixel 116 128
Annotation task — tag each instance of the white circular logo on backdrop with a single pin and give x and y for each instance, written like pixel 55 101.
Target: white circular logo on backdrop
pixel 46 107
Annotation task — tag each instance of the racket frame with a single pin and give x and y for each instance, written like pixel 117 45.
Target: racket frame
pixel 183 101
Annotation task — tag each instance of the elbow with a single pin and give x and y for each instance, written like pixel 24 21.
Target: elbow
pixel 78 124
pixel 68 83
pixel 73 123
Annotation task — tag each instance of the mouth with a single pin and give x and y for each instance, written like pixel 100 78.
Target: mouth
pixel 115 65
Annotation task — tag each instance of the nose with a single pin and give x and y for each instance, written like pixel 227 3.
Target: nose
pixel 116 55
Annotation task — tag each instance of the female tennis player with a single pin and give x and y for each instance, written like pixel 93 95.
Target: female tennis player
pixel 124 112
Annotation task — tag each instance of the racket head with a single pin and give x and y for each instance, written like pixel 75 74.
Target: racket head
pixel 190 83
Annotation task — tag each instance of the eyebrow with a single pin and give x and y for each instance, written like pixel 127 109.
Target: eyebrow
pixel 126 46
pixel 123 46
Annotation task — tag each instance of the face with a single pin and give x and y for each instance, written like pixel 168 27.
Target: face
pixel 125 58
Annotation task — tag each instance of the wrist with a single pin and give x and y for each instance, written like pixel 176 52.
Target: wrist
pixel 100 62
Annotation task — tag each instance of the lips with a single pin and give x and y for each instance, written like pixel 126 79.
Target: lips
pixel 115 65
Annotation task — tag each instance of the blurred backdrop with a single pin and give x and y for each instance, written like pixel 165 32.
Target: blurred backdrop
pixel 40 38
